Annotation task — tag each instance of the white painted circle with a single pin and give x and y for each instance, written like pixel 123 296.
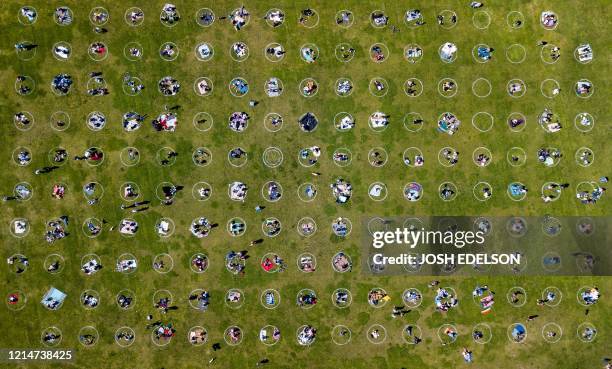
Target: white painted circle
pixel 336 84
pixel 200 116
pixel 558 298
pixel 334 334
pixel 386 192
pixel 93 330
pixel 518 15
pixel 547 49
pixel 516 81
pixel 92 56
pixel 276 151
pixel 174 46
pixel 516 288
pixel 448 13
pixel 302 84
pixel 237 94
pixel 56 331
pixel 484 326
pixel 542 85
pixel 382 152
pixel 303 221
pixel 240 233
pixel 475 56
pixel 100 9
pixel 315 14
pixel 351 18
pixel 416 116
pixel 200 12
pixel 519 198
pixel 204 151
pixel 517 115
pixel 341 151
pixel 477 194
pixel 132 45
pixel 124 161
pixel 271 116
pixel 277 296
pixel 133 9
pixel 582 163
pixel 25 232
pixel 21 53
pixel 585 325
pixel 239 164
pixel 170 230
pixel 518 151
pixel 235 57
pixel 418 83
pixel 487 152
pixel 586 115
pixel 31 123
pixel 385 52
pixel 513 61
pixel 417 332
pixel 591 92
pixel 123 330
pixel 451 185
pixel 486 81
pixel 26 23
pixel 556 22
pixel 440 154
pixel 273 45
pixel 441 90
pixel 338 50
pixel 297 334
pixel 412 306
pixel 300 190
pixel 378 327
pixel 486 114
pixel 481 13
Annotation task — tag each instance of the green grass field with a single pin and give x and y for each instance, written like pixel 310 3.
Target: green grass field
pixel 579 22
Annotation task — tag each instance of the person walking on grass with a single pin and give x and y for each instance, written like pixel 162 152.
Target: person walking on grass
pixel 262 362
